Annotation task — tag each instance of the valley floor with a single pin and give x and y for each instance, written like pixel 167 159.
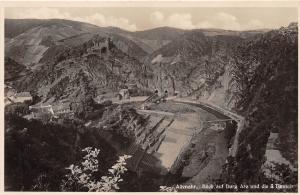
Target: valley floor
pixel 186 127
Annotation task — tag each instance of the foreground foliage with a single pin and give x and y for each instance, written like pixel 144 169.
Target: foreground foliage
pixel 82 175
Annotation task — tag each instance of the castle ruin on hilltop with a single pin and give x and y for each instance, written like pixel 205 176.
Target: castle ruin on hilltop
pixel 100 45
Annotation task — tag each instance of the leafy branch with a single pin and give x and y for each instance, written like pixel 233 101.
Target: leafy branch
pixel 81 176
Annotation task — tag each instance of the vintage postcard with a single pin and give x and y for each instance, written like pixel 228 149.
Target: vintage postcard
pixel 150 96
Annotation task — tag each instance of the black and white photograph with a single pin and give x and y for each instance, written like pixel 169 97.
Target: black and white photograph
pixel 171 97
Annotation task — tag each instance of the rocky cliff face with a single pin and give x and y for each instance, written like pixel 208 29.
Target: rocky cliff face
pixel 77 73
pixel 265 73
pixel 196 65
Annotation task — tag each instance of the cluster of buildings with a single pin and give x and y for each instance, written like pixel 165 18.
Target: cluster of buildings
pixel 12 96
pixel 50 111
pixel 37 111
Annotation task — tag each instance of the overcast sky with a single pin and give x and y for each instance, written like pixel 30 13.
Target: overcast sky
pixel 137 18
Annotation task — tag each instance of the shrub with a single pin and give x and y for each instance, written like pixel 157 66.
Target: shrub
pixel 82 177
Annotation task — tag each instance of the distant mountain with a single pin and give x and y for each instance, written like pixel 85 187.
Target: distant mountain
pixel 160 33
pixel 15 27
pixel 150 40
pixel 27 41
pixel 242 34
pixel 158 37
pixel 27 45
pixel 154 39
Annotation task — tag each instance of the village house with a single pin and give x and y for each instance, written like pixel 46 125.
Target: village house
pixel 40 110
pixel 52 111
pixel 7 101
pixel 9 92
pixel 12 97
pixel 22 97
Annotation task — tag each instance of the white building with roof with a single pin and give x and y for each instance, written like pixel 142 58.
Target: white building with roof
pixel 21 97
